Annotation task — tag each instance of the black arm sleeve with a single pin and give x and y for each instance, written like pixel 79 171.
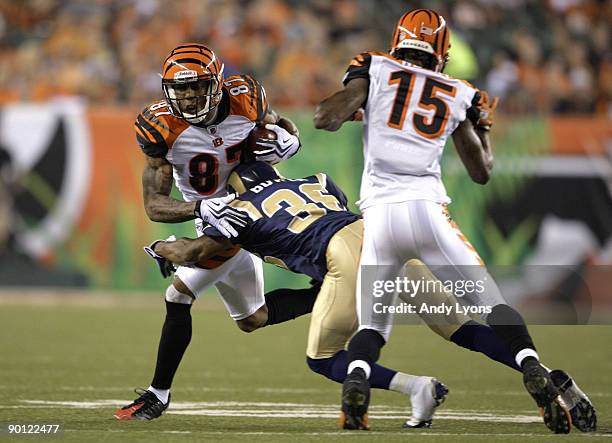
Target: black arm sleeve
pixel 473 112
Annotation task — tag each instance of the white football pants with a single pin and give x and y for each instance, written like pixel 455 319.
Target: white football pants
pixel 397 232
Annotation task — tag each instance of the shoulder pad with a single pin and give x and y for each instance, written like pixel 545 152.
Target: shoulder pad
pixel 157 129
pixel 247 97
pixel 359 67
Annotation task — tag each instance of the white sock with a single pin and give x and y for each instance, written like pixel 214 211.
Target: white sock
pixel 161 394
pixel 403 383
pixel 359 364
pixel 523 354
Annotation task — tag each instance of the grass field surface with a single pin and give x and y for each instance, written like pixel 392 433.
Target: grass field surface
pixel 73 360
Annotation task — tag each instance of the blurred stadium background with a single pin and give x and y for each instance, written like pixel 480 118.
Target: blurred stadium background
pixel 74 74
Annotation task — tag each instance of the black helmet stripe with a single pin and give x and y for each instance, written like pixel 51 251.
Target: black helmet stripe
pixel 191 45
pixel 172 63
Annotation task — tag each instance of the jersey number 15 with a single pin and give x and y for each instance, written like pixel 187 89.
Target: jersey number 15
pixel 429 127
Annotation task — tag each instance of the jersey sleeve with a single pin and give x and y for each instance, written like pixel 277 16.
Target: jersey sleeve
pixel 149 134
pixel 358 68
pixel 156 129
pixel 248 97
pixel 332 188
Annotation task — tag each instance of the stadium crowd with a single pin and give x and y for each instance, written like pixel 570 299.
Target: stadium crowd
pixel 539 56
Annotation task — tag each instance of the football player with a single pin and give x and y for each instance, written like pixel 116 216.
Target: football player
pixel 410 108
pixel 194 138
pixel 303 225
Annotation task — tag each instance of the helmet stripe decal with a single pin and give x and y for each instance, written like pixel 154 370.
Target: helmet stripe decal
pixel 437 16
pixel 435 43
pixel 442 23
pixel 410 33
pixel 179 62
pixel 443 42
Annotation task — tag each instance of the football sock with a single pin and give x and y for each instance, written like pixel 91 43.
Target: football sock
pixel 367 369
pixel 161 394
pixel 481 338
pixel 175 337
pixel 403 383
pixel 510 327
pixel 336 368
pixel 286 304
pixel 525 355
pixel 364 346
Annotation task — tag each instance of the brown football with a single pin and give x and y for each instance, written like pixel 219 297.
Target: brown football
pixel 257 133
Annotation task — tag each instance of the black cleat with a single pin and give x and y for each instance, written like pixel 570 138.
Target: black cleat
pixel 538 383
pixel 355 401
pixel 583 413
pixel 145 407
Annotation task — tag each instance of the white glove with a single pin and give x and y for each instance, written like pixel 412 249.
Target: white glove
pixel 273 151
pixel 218 214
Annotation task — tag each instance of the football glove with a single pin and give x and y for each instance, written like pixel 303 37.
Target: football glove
pixel 166 267
pixel 274 151
pixel 218 214
pixel 486 108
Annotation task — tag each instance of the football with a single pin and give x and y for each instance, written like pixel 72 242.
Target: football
pixel 259 132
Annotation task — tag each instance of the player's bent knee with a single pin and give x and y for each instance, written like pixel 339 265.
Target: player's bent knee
pixel 173 295
pixel 248 324
pixel 254 321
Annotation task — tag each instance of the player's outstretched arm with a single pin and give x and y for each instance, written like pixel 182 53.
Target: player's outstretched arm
pixel 156 187
pixel 340 107
pixel 474 148
pixel 187 251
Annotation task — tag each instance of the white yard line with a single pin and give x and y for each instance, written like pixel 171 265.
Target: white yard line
pixel 284 410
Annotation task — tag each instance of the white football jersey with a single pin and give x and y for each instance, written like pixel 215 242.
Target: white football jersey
pixel 409 114
pixel 202 158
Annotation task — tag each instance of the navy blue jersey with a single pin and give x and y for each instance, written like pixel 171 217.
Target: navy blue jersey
pixel 292 221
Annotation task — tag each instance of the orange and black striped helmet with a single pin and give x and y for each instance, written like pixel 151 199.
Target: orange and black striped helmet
pixel 423 30
pixel 192 79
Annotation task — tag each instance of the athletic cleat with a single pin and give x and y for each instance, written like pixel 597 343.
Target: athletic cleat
pixel 145 407
pixel 355 401
pixel 428 394
pixel 553 410
pixel 583 413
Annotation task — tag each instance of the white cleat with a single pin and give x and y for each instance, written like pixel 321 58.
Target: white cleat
pixel 427 395
pixel 582 411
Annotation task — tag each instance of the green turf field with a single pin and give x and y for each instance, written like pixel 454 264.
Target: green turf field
pixel 73 364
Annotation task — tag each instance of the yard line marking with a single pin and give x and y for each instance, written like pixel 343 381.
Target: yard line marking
pixel 289 410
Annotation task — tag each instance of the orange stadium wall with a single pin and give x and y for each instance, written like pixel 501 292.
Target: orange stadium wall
pixel 94 236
